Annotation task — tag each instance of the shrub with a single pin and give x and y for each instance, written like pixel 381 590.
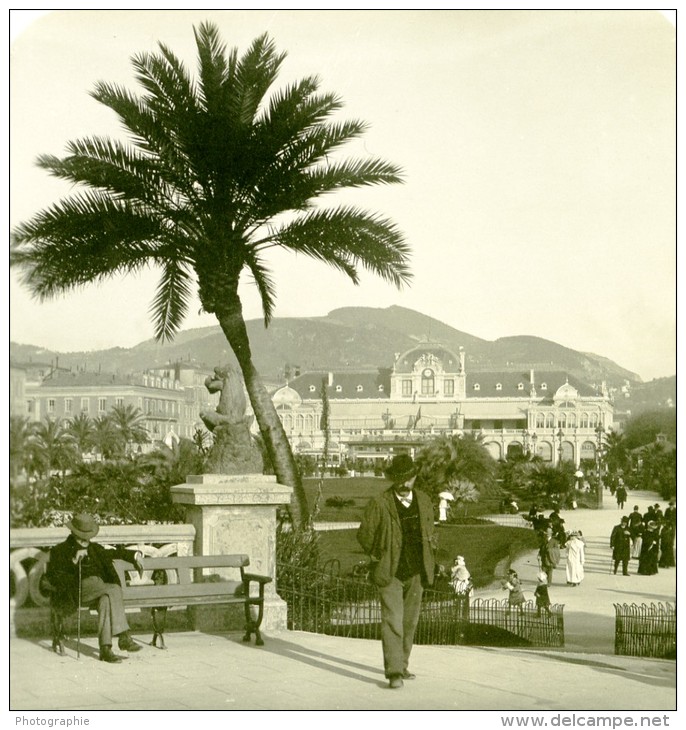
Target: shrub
pixel 339 502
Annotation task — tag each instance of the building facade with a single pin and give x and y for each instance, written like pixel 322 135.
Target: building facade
pixel 169 398
pixel 428 392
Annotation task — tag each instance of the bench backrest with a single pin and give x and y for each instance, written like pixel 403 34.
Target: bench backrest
pixel 182 568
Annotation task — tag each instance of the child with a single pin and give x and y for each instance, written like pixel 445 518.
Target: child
pixel 541 593
pixel 460 579
pixel 513 584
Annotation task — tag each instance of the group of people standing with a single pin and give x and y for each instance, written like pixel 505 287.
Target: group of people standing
pixel 548 559
pixel 648 537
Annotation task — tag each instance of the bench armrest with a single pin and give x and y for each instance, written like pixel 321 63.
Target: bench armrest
pixel 262 579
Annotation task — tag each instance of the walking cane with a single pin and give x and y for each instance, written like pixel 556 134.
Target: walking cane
pixel 78 617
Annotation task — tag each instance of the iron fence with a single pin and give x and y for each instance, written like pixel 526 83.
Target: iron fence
pixel 525 623
pixel 645 630
pixel 326 603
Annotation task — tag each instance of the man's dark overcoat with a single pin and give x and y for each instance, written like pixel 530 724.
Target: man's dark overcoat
pixel 63 574
pixel 380 536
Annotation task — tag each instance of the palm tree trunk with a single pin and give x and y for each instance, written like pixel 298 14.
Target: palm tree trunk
pixel 233 326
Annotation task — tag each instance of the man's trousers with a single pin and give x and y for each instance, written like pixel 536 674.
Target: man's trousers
pixel 108 599
pixel 400 604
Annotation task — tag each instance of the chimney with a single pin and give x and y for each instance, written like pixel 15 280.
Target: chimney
pixel 330 381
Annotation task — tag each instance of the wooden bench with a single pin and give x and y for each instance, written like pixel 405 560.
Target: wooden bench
pixel 179 581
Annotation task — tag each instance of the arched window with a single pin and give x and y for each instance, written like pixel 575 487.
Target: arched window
pixel 562 420
pixel 550 420
pixel 540 420
pixel 544 450
pixel 494 449
pixel 594 420
pixel 584 420
pixel 427 384
pixel 571 420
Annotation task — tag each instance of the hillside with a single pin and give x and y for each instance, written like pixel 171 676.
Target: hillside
pixel 354 337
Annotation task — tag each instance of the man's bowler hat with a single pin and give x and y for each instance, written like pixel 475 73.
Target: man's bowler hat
pixel 401 469
pixel 83 526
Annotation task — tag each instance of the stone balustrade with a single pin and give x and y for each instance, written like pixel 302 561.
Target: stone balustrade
pixel 226 514
pixel 29 552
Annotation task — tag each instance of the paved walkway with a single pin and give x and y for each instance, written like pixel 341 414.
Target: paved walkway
pixel 302 671
pixel 589 608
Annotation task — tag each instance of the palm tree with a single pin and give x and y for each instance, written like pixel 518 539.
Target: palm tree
pixel 20 445
pixel 53 446
pixel 448 461
pixel 617 458
pixel 81 430
pixel 129 421
pixel 107 439
pixel 215 175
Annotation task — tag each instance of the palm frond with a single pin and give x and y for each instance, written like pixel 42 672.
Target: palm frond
pixel 352 236
pixel 107 164
pixel 215 67
pixel 157 137
pixel 170 305
pixel 353 174
pixel 256 71
pixel 264 283
pixel 81 240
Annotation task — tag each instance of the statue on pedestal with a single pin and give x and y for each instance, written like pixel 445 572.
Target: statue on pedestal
pixel 234 450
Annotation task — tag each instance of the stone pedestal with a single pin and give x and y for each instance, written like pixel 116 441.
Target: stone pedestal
pixel 237 514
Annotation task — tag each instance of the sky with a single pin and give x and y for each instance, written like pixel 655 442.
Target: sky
pixel 538 150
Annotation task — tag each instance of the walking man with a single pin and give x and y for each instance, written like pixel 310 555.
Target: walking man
pixel 79 565
pixel 549 554
pixel 620 542
pixel 397 532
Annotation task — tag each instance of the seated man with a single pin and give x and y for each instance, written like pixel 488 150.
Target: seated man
pixel 99 581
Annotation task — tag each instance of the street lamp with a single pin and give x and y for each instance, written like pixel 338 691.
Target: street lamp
pixel 560 436
pixel 534 439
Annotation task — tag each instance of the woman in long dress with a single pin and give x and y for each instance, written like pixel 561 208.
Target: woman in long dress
pixel 667 546
pixel 647 563
pixel 576 557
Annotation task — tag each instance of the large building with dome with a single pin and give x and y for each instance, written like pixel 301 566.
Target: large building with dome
pixel 374 414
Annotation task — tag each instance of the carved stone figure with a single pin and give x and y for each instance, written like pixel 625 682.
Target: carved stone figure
pixel 234 450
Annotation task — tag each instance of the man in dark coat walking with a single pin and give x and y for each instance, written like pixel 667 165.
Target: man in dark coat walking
pixel 549 554
pixel 620 542
pixel 98 582
pixel 397 531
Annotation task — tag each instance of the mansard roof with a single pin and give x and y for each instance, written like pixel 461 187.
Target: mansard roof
pixel 518 384
pixel 360 385
pixel 100 380
pixel 86 379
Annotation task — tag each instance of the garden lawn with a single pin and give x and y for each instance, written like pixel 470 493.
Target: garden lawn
pixel 353 493
pixel 487 549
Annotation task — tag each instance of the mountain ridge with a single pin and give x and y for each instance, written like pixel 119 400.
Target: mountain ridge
pixel 361 337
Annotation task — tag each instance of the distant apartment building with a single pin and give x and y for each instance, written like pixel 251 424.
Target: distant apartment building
pixel 428 392
pixel 169 397
pixel 17 390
